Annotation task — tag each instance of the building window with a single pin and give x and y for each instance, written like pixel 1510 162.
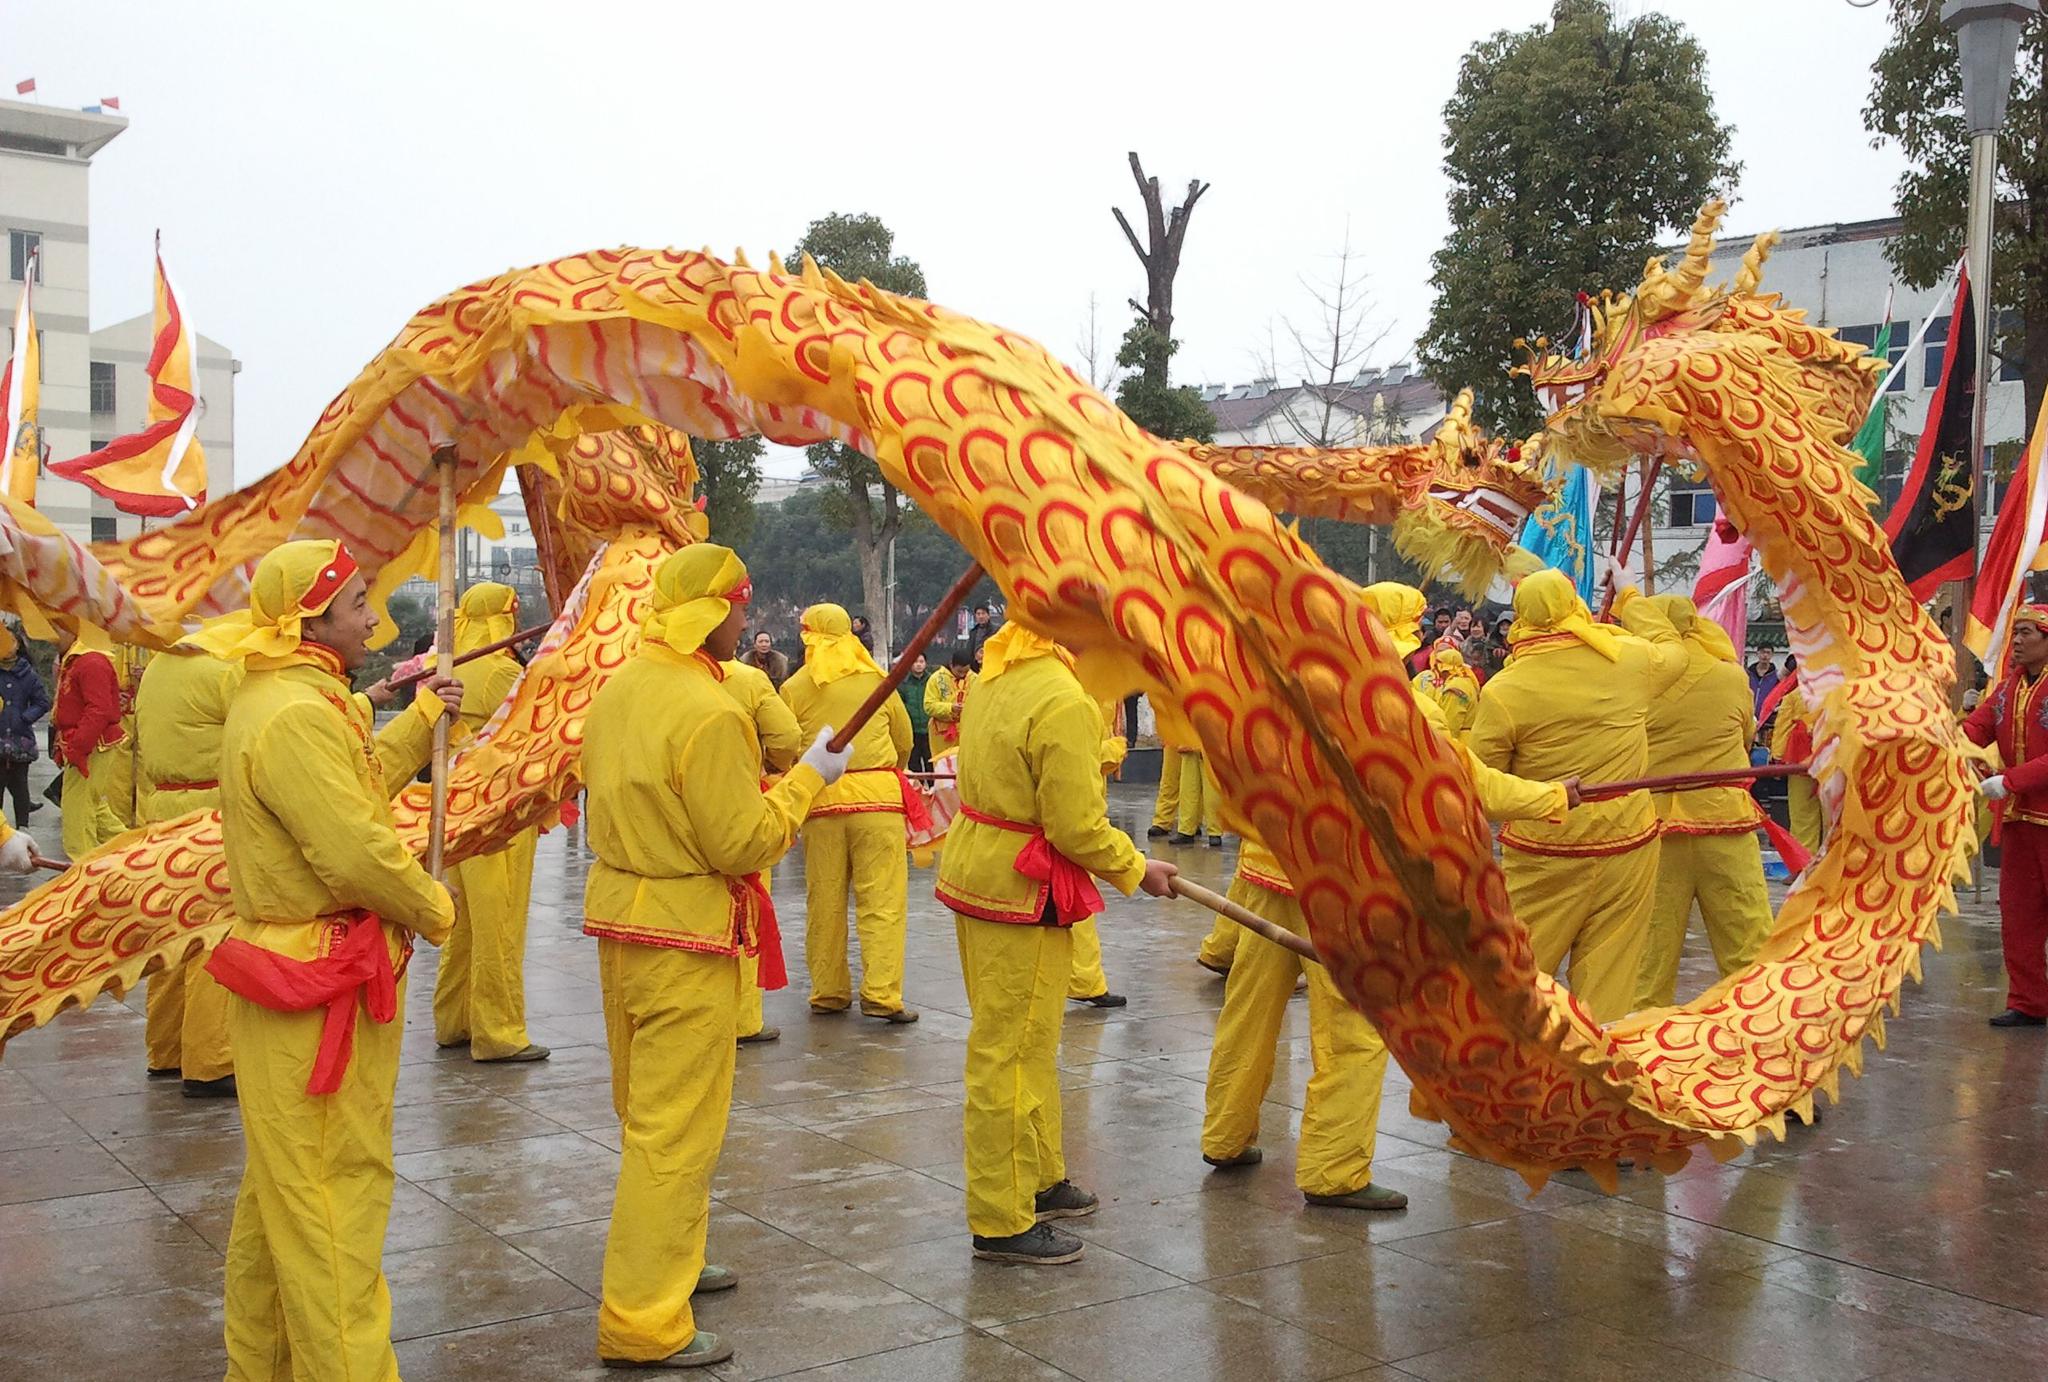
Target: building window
pixel 1692 505
pixel 102 529
pixel 102 387
pixel 20 245
pixel 1866 336
pixel 1937 342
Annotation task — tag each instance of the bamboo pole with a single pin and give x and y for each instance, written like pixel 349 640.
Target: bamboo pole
pixel 512 641
pixel 1625 538
pixel 1249 920
pixel 1689 782
pixel 900 669
pixel 444 659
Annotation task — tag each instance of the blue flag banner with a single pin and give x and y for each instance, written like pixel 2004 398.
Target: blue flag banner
pixel 1560 534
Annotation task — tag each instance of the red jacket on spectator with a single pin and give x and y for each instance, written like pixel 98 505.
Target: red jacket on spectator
pixel 88 712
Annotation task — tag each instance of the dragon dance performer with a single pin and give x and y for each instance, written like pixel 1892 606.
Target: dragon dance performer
pixel 1575 702
pixel 480 990
pixel 1087 983
pixel 181 711
pixel 855 837
pixel 782 739
pixel 1450 684
pixel 327 900
pixel 682 831
pixel 945 692
pixel 2015 718
pixel 1333 1161
pixel 1792 742
pixel 1708 852
pixel 92 741
pixel 1033 825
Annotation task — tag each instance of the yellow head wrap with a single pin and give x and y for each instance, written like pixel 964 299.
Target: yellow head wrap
pixel 488 614
pixel 9 644
pixel 694 590
pixel 1012 644
pixel 1400 608
pixel 292 583
pixel 1546 604
pixel 1447 662
pixel 1704 634
pixel 830 649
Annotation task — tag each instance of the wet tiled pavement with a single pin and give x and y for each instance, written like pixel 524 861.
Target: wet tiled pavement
pixel 1903 1237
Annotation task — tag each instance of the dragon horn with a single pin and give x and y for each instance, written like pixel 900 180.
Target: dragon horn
pixel 1751 275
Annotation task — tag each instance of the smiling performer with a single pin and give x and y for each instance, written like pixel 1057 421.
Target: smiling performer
pixel 681 830
pixel 327 901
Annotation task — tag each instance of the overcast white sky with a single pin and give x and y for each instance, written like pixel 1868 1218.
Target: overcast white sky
pixel 321 171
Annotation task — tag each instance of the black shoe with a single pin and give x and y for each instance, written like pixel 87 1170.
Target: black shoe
pixel 1221 971
pixel 1179 839
pixel 222 1088
pixel 1157 832
pixel 1041 1245
pixel 164 1072
pixel 2013 1017
pixel 1064 1200
pixel 1215 842
pixel 1103 1000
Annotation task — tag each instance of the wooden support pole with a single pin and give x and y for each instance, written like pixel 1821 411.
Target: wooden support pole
pixel 1249 920
pixel 1689 782
pixel 512 641
pixel 900 669
pixel 444 659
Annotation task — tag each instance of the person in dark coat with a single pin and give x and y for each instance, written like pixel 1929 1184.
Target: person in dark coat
pixel 23 701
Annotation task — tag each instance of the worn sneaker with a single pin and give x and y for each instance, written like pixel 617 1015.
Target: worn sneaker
pixel 899 1016
pixel 714 1279
pixel 525 1055
pixel 2013 1017
pixel 765 1034
pixel 1064 1200
pixel 1041 1245
pixel 1221 971
pixel 1103 1000
pixel 222 1088
pixel 1371 1197
pixel 1250 1156
pixel 702 1352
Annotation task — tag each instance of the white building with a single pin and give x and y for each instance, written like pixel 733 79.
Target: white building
pixel 1839 275
pixel 1377 408
pixel 93 386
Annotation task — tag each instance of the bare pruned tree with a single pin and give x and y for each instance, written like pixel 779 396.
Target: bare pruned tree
pixel 1101 368
pixel 1327 355
pixel 1160 254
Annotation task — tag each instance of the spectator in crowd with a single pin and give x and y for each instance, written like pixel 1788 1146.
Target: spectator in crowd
pixel 1763 675
pixel 984 626
pixel 911 689
pixel 23 701
pixel 762 655
pixel 864 631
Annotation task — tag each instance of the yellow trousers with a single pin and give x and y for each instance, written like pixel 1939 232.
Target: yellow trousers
pixel 1086 979
pixel 1594 909
pixel 670 1020
pixel 1166 806
pixel 1219 947
pixel 88 821
pixel 750 1017
pixel 1724 874
pixel 1802 811
pixel 861 852
pixel 1017 980
pixel 187 1026
pixel 1339 1124
pixel 1198 796
pixel 480 992
pixel 306 1296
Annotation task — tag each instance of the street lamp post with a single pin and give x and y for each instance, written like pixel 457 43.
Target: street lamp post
pixel 1987 40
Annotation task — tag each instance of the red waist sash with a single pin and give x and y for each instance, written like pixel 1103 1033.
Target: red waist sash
pixel 1071 888
pixel 359 965
pixel 766 947
pixel 209 785
pixel 916 814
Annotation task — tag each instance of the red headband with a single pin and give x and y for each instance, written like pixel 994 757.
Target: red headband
pixel 743 594
pixel 328 584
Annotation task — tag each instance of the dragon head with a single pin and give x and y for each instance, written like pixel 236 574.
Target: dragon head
pixel 1482 491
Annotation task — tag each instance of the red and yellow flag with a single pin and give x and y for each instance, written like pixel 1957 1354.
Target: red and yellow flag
pixel 2018 547
pixel 159 471
pixel 21 443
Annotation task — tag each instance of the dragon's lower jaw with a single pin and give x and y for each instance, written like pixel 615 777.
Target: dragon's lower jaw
pixel 1462 537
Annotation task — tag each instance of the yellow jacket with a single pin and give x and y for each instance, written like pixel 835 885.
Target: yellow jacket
pixel 677 817
pixel 1031 752
pixel 1559 709
pixel 1502 797
pixel 880 750
pixel 943 696
pixel 181 710
pixel 486 683
pixel 306 812
pixel 1704 723
pixel 1789 714
pixel 782 738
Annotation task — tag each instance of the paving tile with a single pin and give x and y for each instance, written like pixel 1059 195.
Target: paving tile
pixel 556 1347
pixel 749 1247
pixel 846 1216
pixel 974 1355
pixel 49 1173
pixel 167 1335
pixel 122 1259
pixel 1198 1236
pixel 463 1285
pixel 943 1272
pixel 1186 1334
pixel 823 1312
pixel 1576 1350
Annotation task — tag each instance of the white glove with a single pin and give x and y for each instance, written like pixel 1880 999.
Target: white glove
pixel 1614 574
pixel 829 765
pixel 1992 787
pixel 18 854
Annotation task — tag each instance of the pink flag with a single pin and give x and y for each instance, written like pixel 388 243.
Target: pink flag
pixel 26 88
pixel 1722 591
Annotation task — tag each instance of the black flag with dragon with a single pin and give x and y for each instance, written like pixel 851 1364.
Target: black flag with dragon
pixel 1932 527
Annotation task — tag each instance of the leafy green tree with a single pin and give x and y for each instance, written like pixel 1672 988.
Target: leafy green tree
pixel 729 475
pixel 1173 412
pixel 1916 99
pixel 859 247
pixel 1572 148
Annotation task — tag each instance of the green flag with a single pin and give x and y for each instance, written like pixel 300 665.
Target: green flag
pixel 1869 442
